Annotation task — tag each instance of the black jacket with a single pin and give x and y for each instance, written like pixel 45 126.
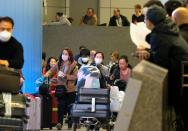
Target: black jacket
pixel 184 31
pixel 168 50
pixel 13 52
pixel 167 45
pixel 125 21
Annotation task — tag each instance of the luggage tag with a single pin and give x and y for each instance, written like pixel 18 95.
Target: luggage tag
pixel 7 98
pixel 93 105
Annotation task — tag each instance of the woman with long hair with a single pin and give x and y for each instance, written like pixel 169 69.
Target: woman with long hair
pixel 66 71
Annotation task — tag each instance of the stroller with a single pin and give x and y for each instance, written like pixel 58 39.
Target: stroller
pixel 92 107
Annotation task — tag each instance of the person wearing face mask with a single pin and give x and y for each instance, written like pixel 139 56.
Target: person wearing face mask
pixel 66 70
pixel 84 58
pixel 104 72
pixel 11 51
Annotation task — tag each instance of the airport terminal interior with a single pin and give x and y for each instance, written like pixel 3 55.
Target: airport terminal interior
pixel 93 65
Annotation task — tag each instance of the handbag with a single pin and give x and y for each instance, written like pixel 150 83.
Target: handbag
pixel 60 91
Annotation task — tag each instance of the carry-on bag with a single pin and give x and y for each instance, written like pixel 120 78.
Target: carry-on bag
pixel 34 113
pixel 54 108
pixel 46 112
pixel 14 105
pixel 102 96
pixel 9 80
pixel 11 124
pixel 85 110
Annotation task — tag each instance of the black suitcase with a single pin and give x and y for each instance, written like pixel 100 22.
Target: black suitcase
pixel 84 110
pixel 102 96
pixel 11 124
pixel 9 80
pixel 46 112
pixel 18 105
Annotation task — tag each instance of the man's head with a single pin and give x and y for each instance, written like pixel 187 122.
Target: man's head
pixel 116 12
pixel 6 28
pixel 151 3
pixel 180 16
pixel 90 12
pixel 171 5
pixel 137 9
pixel 154 16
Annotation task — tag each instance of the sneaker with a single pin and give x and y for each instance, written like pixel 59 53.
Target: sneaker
pixel 59 126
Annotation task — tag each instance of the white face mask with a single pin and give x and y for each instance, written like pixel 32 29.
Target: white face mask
pixel 85 59
pixel 65 57
pixel 98 61
pixel 5 36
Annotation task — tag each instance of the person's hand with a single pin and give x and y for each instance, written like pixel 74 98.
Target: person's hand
pixel 40 81
pixel 142 54
pixel 61 74
pixel 4 63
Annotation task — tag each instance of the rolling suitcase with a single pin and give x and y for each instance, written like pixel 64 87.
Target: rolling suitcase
pixel 14 105
pixel 85 110
pixel 102 96
pixel 46 112
pixel 54 108
pixel 9 79
pixel 11 124
pixel 34 113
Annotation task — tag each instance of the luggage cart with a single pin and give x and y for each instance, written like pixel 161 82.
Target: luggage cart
pixel 92 109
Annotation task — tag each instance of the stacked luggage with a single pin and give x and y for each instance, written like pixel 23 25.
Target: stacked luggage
pixel 92 108
pixel 12 104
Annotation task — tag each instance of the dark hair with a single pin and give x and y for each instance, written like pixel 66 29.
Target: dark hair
pixel 70 19
pixel 124 57
pixel 59 14
pixel 153 2
pixel 84 52
pixel 101 54
pixel 171 5
pixel 138 6
pixel 44 55
pixel 82 47
pixel 71 57
pixel 7 19
pixel 48 63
